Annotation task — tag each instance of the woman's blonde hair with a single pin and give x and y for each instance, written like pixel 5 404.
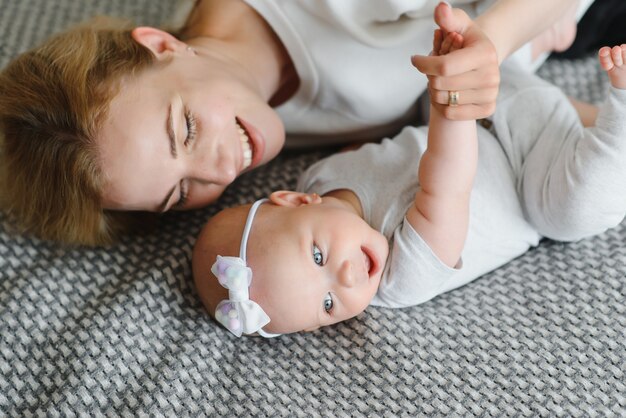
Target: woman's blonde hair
pixel 53 100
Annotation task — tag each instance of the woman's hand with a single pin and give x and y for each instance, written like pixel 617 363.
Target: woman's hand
pixel 472 71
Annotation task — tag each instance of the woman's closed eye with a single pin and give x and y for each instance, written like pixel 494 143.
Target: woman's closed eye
pixel 184 194
pixel 191 124
pixel 190 121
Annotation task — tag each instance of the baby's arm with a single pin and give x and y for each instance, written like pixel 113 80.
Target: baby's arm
pixel 612 62
pixel 440 213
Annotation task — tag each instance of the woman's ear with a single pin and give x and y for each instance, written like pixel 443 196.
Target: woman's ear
pixel 161 43
pixel 294 199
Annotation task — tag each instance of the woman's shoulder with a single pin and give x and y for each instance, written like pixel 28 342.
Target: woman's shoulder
pixel 180 16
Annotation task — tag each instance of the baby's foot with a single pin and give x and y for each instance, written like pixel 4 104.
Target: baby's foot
pixel 559 37
pixel 613 61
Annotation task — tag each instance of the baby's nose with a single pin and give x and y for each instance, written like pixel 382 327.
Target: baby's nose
pixel 346 274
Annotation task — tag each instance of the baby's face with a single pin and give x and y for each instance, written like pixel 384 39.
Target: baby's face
pixel 318 264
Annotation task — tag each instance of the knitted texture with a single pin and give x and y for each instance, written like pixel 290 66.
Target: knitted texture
pixel 120 331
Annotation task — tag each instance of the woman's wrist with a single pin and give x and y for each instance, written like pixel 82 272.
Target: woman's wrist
pixel 490 28
pixel 509 24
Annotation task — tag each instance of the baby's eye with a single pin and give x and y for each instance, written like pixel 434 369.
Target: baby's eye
pixel 318 258
pixel 328 303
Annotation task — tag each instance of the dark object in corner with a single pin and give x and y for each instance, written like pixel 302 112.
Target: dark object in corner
pixel 604 23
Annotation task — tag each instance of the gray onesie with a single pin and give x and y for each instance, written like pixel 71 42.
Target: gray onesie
pixel 542 175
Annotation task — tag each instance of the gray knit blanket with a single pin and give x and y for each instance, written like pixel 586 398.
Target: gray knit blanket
pixel 120 331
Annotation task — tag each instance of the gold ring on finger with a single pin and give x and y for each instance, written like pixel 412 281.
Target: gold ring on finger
pixel 453 98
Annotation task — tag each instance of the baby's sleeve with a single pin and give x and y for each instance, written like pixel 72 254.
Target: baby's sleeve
pixel 413 273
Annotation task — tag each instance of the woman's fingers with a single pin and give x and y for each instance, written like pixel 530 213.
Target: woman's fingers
pixel 469 58
pixel 468 103
pixel 464 97
pixel 486 78
pixel 465 112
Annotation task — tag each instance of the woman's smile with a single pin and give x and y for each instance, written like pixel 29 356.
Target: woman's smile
pixel 252 144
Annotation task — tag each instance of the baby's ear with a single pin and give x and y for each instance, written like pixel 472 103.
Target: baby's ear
pixel 294 199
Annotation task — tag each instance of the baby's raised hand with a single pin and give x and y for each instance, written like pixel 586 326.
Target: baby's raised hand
pixel 613 61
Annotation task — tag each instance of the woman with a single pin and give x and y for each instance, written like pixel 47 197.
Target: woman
pixel 101 122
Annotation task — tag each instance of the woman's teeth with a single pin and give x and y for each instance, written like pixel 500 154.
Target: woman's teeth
pixel 245 146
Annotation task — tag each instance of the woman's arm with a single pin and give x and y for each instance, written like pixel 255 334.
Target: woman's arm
pixel 509 24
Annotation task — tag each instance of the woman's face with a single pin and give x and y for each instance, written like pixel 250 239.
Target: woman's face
pixel 178 133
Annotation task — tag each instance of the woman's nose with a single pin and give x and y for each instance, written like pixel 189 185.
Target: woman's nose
pixel 346 274
pixel 222 171
pixel 215 162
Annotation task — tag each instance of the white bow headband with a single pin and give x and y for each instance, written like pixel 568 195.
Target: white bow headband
pixel 238 313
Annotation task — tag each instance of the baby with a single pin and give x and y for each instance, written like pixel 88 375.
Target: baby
pixel 397 223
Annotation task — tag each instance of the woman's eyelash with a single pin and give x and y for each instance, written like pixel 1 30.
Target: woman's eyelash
pixel 190 120
pixel 184 193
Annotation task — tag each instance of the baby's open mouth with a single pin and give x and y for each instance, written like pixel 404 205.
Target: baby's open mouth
pixel 246 145
pixel 369 263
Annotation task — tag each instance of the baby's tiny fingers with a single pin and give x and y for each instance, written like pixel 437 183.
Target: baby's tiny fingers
pixel 616 55
pixel 604 56
pixel 446 44
pixel 437 39
pixel 457 42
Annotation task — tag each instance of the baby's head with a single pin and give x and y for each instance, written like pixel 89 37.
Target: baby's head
pixel 314 261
